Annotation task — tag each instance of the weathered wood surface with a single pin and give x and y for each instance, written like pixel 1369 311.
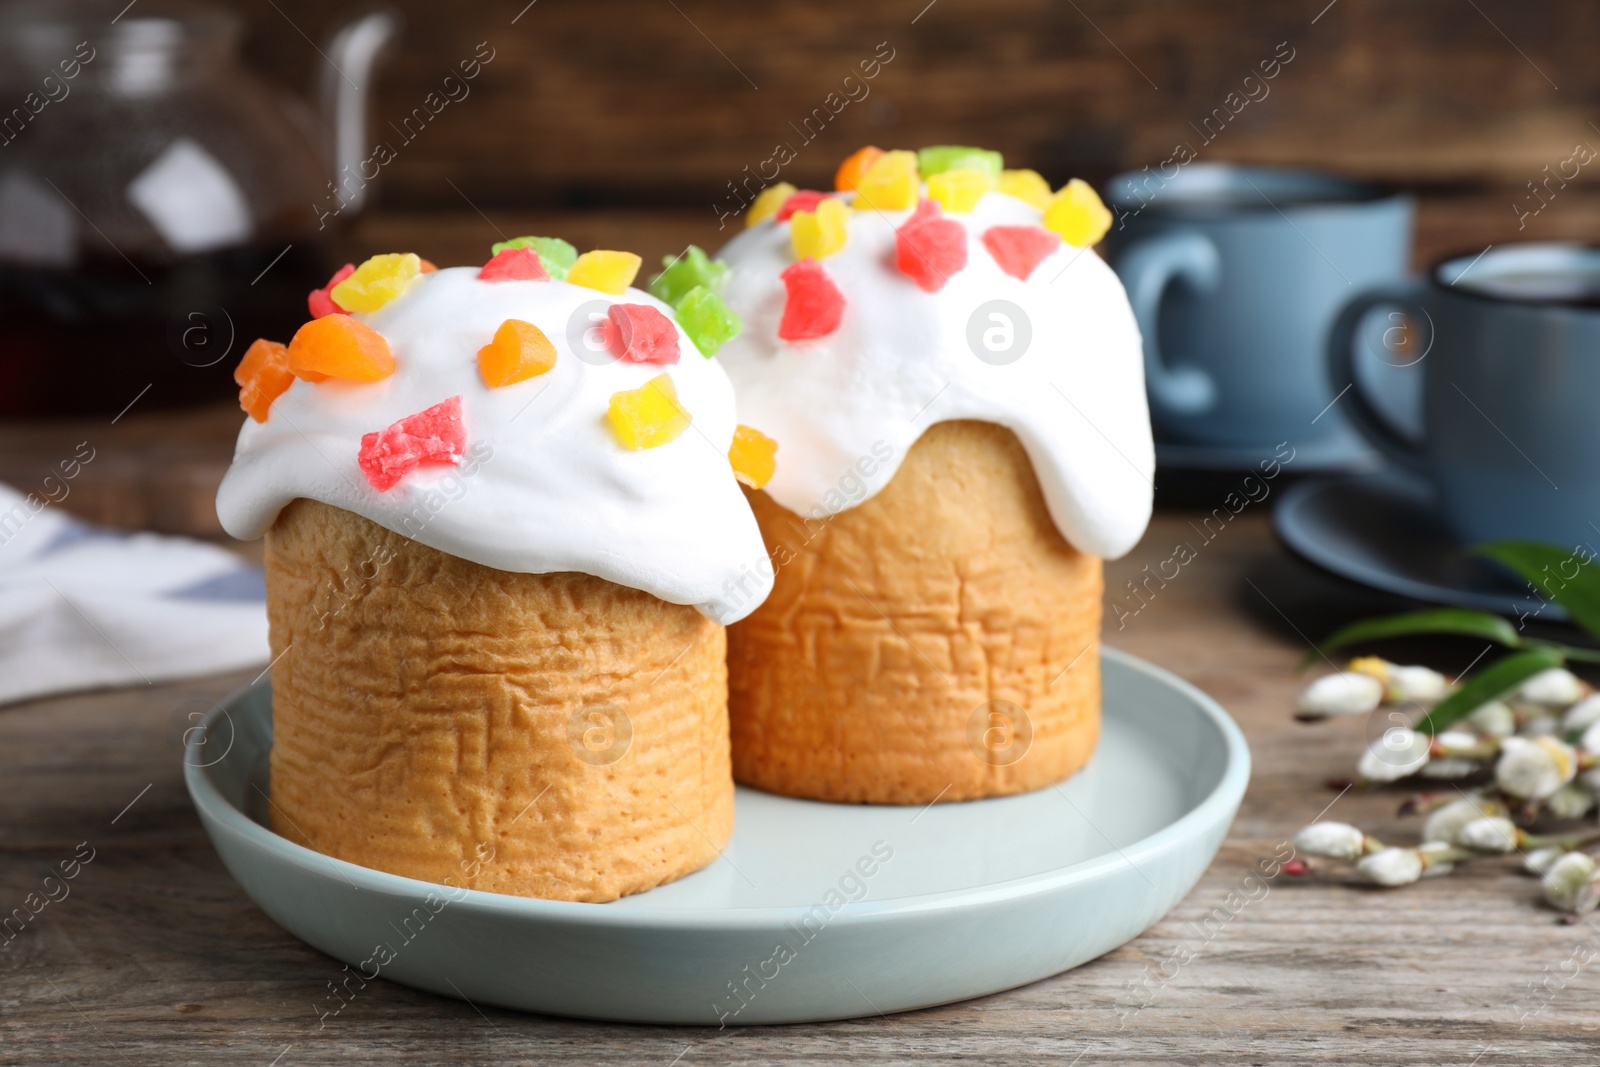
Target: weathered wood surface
pixel 614 102
pixel 157 957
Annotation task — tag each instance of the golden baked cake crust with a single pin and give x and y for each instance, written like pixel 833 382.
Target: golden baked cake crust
pixel 940 640
pixel 447 721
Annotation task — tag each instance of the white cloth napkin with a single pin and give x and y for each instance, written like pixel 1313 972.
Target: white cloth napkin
pixel 84 606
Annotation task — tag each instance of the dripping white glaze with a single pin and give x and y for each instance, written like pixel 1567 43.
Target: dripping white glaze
pixel 903 359
pixel 544 486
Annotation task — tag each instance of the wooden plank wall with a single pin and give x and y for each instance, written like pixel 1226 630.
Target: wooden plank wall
pixel 662 103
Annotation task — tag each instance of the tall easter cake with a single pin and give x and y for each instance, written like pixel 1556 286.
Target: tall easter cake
pixel 502 535
pixel 953 381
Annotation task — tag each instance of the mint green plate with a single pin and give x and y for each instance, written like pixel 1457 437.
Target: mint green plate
pixel 815 911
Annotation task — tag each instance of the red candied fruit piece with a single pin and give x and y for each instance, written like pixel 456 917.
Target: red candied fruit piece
pixel 321 302
pixel 638 333
pixel 514 265
pixel 926 211
pixel 814 305
pixel 435 435
pixel 928 248
pixel 1020 249
pixel 804 200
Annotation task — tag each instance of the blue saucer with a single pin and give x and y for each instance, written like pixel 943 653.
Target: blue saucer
pixel 1382 530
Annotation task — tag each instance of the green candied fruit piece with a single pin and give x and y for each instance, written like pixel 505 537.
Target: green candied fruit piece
pixel 708 321
pixel 685 273
pixel 943 157
pixel 555 255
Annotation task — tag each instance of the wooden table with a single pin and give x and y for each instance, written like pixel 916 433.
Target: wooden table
pixel 157 957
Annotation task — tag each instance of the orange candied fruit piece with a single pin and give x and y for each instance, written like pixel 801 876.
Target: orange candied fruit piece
pixel 339 346
pixel 754 456
pixel 854 168
pixel 519 351
pixel 263 376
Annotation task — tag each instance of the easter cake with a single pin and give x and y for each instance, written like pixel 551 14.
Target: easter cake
pixel 952 380
pixel 502 532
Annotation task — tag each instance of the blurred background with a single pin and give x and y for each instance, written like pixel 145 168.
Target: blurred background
pixel 631 124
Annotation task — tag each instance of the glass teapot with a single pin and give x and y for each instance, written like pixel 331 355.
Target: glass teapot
pixel 159 206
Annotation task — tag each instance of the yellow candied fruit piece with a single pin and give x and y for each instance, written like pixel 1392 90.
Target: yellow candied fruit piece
pixel 767 203
pixel 519 351
pixel 754 457
pixel 820 233
pixel 1028 186
pixel 609 272
pixel 890 184
pixel 377 281
pixel 959 190
pixel 855 166
pixel 1077 214
pixel 649 416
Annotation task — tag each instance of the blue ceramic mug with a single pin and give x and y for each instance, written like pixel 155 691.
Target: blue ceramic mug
pixel 1510 362
pixel 1235 275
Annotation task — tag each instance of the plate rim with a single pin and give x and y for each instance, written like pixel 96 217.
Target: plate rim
pixel 1217 806
pixel 1294 499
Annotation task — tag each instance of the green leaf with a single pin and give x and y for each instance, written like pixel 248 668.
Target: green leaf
pixel 1433 621
pixel 1559 574
pixel 1491 683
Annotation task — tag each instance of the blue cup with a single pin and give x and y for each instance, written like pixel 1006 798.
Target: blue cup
pixel 1235 275
pixel 1510 364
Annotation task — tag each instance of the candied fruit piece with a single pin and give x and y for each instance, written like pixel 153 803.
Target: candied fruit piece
pixel 929 248
pixel 1019 249
pixel 943 157
pixel 321 302
pixel 959 190
pixel 555 255
pixel 1028 186
pixel 754 456
pixel 851 171
pixel 519 351
pixel 514 265
pixel 1077 214
pixel 926 209
pixel 804 200
pixel 813 306
pixel 338 346
pixel 708 321
pixel 425 266
pixel 685 272
pixel 767 203
pixel 820 233
pixel 639 333
pixel 649 416
pixel 263 376
pixel 609 272
pixel 377 281
pixel 890 184
pixel 433 435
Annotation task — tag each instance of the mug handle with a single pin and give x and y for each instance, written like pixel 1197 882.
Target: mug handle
pixel 1342 375
pixel 1147 268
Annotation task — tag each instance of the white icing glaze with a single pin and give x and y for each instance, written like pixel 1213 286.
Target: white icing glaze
pixel 900 361
pixel 544 485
